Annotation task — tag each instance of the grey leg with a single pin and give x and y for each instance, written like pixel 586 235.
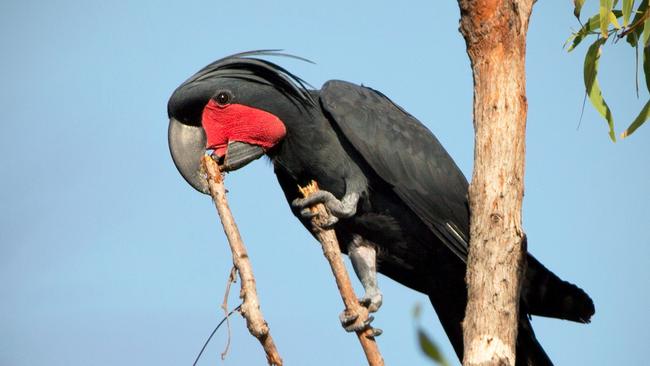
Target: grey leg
pixel 363 256
pixel 364 261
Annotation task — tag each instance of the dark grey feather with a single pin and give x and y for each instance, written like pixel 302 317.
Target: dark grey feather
pixel 404 153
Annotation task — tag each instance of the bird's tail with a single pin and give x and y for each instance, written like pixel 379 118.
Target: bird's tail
pixel 545 294
pixel 529 351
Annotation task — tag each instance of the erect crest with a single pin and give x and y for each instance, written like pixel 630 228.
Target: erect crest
pixel 248 66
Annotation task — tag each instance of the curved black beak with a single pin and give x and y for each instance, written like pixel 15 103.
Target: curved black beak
pixel 240 154
pixel 187 146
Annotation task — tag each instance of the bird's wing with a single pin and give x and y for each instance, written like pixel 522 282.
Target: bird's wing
pixel 405 154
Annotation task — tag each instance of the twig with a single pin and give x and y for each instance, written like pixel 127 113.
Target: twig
pixel 250 307
pixel 198 357
pixel 224 305
pixel 332 253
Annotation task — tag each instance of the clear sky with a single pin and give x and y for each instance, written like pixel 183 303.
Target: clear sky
pixel 107 257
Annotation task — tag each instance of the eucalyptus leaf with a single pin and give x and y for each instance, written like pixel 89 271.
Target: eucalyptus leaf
pixel 627 11
pixel 430 349
pixel 638 121
pixel 605 8
pixel 646 32
pixel 592 25
pixel 577 6
pixel 612 19
pixel 633 37
pixel 591 85
pixel 646 66
pixel 417 311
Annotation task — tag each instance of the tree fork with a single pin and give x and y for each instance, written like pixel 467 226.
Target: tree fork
pixel 495 35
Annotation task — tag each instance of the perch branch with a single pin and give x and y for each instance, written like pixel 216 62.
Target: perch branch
pixel 332 253
pixel 250 308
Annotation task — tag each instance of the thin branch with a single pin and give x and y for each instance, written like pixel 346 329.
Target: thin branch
pixel 636 66
pixel 636 24
pixel 232 277
pixel 213 333
pixel 332 253
pixel 250 307
pixel 582 111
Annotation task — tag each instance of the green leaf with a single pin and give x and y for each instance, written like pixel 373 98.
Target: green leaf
pixel 592 25
pixel 417 310
pixel 605 8
pixel 592 87
pixel 430 349
pixel 612 19
pixel 577 6
pixel 646 67
pixel 627 11
pixel 638 121
pixel 646 32
pixel 634 36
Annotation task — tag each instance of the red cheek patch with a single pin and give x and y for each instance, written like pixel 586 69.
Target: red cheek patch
pixel 237 122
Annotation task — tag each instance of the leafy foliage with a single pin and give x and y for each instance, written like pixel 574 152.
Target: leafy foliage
pixel 606 25
pixel 592 87
pixel 427 345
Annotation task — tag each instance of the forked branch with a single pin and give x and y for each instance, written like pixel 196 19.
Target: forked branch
pixel 250 307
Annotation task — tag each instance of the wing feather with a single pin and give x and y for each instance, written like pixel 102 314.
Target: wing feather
pixel 405 154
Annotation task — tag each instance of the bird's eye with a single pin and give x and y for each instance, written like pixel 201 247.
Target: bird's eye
pixel 223 98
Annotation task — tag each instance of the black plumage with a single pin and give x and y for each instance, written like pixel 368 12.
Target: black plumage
pixel 413 198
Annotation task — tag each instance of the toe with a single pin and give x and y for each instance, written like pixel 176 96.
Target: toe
pixel 331 221
pixel 348 319
pixel 368 321
pixel 298 203
pixel 372 301
pixel 376 332
pixel 307 213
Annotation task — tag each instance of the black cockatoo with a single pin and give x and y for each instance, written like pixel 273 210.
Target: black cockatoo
pixel 398 200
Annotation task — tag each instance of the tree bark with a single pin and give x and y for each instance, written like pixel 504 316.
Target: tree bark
pixel 495 35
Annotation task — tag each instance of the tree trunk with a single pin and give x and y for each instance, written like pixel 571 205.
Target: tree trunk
pixel 495 34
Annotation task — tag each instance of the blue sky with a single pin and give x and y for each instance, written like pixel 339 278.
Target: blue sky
pixel 107 257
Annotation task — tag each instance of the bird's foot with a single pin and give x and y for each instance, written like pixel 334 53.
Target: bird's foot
pixel 344 208
pixel 355 322
pixel 372 300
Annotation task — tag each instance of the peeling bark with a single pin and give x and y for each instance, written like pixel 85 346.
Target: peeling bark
pixel 495 35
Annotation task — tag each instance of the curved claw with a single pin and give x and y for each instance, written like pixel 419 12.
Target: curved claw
pixel 368 321
pixel 376 332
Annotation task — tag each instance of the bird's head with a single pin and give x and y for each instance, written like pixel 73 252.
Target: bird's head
pixel 235 108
